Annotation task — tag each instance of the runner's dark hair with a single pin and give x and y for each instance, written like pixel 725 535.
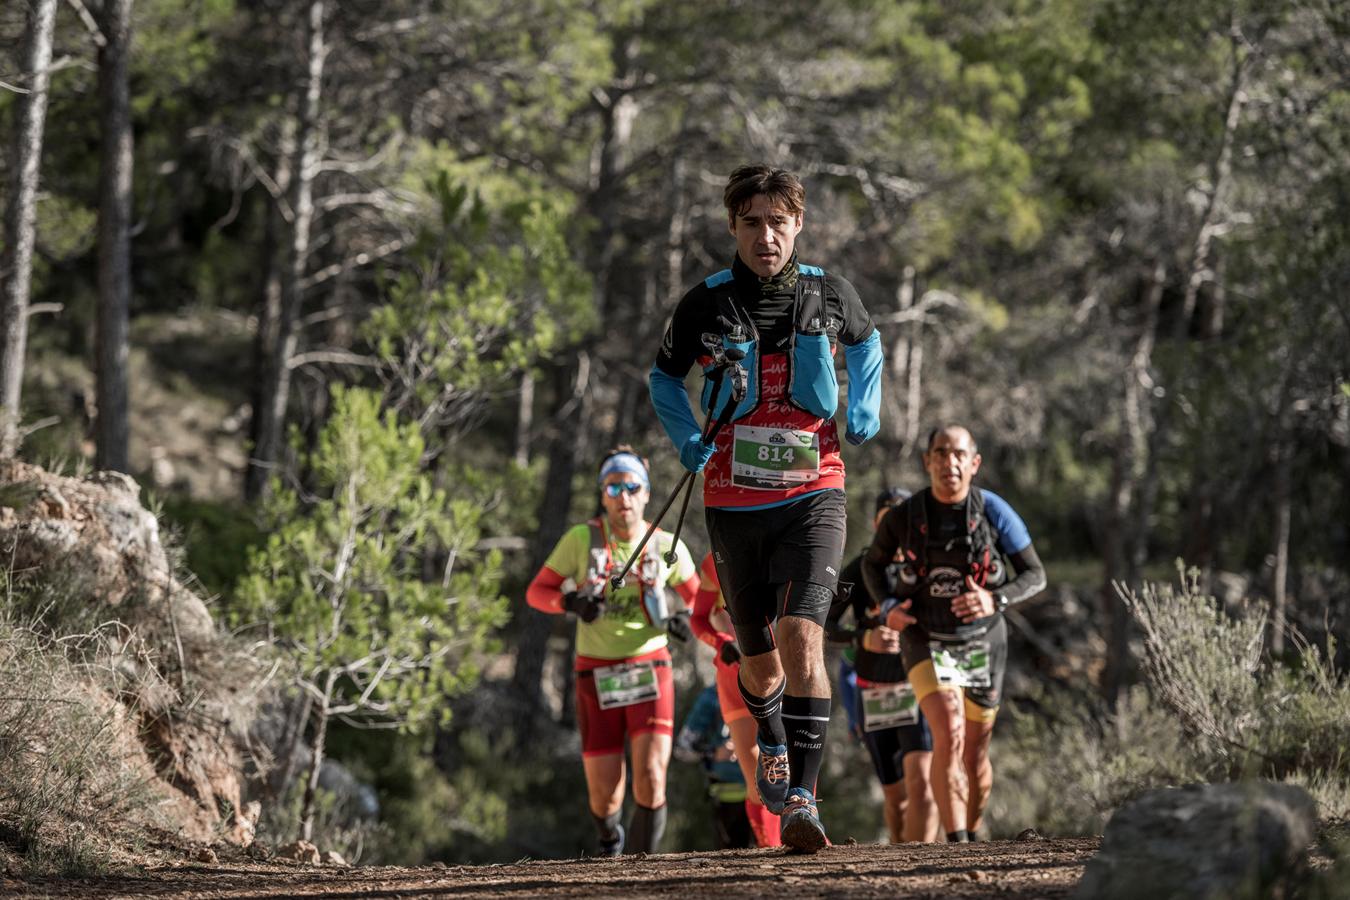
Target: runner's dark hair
pixel 932 436
pixel 779 185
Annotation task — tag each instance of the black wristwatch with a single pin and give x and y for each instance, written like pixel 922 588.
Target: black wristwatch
pixel 1000 602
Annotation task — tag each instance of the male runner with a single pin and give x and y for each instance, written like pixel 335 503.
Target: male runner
pixel 947 605
pixel 774 485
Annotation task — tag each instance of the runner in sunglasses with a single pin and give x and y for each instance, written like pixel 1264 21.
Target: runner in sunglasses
pixel 623 685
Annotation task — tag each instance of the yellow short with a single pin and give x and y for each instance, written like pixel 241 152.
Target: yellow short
pixel 923 678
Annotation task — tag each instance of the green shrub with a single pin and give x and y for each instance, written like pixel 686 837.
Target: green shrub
pixel 1212 708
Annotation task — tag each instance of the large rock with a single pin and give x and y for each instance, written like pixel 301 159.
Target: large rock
pixel 1244 840
pixel 174 686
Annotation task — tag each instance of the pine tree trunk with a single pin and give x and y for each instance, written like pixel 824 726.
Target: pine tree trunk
pixel 1123 543
pixel 30 117
pixel 114 238
pixel 525 418
pixel 1279 600
pixel 280 778
pixel 316 749
pixel 571 439
pixel 276 387
pixel 564 447
pixel 269 304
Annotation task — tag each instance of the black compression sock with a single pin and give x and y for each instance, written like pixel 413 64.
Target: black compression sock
pixel 608 827
pixel 768 713
pixel 806 719
pixel 958 837
pixel 647 827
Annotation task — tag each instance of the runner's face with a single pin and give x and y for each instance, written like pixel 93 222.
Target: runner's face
pixel 951 463
pixel 765 235
pixel 624 511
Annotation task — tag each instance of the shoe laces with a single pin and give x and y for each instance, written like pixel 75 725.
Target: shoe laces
pixel 800 801
pixel 775 767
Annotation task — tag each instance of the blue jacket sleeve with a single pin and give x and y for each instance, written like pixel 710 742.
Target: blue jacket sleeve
pixel 864 361
pixel 672 407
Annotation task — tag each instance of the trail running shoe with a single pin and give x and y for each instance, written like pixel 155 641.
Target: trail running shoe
pixel 771 777
pixel 801 828
pixel 614 847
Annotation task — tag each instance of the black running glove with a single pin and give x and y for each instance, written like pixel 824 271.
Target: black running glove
pixel 730 654
pixel 588 608
pixel 677 626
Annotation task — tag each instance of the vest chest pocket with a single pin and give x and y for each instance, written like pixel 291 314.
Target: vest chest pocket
pixel 815 386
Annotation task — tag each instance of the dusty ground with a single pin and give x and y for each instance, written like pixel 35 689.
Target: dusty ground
pixel 1004 869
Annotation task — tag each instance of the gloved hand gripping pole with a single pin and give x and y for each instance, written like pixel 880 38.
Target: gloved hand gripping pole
pixel 738 388
pixel 726 364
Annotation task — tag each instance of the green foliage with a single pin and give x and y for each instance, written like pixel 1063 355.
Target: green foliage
pixel 340 581
pixel 215 537
pixel 486 291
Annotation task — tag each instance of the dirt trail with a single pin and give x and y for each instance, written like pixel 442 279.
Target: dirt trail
pixel 1004 869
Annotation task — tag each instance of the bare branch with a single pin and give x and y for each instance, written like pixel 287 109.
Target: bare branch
pixel 336 357
pixel 90 23
pixel 919 312
pixel 356 261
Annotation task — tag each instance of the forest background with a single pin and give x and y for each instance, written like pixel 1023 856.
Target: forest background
pixel 402 267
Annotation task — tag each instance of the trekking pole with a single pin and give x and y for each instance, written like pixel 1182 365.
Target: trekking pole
pixel 738 388
pixel 724 359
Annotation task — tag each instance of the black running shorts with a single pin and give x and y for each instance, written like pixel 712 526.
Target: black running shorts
pixel 780 561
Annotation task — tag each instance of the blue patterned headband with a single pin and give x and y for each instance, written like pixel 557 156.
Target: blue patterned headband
pixel 624 462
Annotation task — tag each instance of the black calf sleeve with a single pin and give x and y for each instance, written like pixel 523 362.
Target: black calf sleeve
pixel 607 827
pixel 647 828
pixel 806 720
pixel 768 713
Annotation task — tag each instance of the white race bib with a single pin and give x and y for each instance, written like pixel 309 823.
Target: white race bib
pixel 889 706
pixel 964 665
pixel 773 459
pixel 626 684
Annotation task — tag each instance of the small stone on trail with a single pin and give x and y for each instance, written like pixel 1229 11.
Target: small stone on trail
pixel 850 842
pixel 301 852
pixel 333 858
pixel 258 851
pixel 439 865
pixel 205 855
pixel 1029 834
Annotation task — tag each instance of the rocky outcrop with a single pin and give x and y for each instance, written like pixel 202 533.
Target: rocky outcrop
pixel 177 688
pixel 1244 840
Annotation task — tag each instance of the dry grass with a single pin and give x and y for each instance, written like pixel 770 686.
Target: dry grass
pixel 1213 707
pixel 71 776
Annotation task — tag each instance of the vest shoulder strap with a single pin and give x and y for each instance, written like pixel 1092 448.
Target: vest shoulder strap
pixel 651 555
pixel 717 279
